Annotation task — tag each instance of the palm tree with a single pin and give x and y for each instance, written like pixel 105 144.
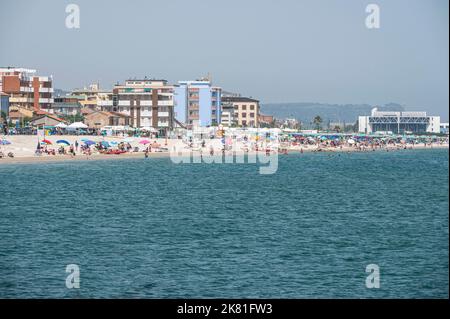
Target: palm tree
pixel 317 121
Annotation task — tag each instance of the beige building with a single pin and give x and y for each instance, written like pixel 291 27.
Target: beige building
pixel 246 110
pixel 99 119
pixel 45 119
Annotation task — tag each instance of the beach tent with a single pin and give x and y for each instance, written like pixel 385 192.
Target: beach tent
pixel 61 125
pixel 77 125
pixel 149 129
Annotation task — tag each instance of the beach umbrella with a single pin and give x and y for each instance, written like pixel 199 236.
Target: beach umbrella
pixel 5 142
pixel 351 141
pixel 89 143
pixel 62 142
pixel 105 144
pixel 113 143
pixel 144 142
pixel 77 125
pixel 128 140
pixel 61 125
pixel 46 142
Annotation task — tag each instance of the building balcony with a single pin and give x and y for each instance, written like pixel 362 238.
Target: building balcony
pixel 165 102
pixel 124 103
pixel 46 90
pixel 104 103
pixel 20 100
pixel 46 100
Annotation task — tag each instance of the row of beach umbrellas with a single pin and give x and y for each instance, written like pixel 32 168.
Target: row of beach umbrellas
pixel 89 142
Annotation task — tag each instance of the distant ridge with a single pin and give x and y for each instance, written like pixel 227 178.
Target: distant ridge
pixel 305 112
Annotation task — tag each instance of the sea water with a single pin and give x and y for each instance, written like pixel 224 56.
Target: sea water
pixel 139 228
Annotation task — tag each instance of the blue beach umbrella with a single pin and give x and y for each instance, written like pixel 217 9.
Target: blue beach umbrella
pixel 89 143
pixel 5 142
pixel 106 144
pixel 63 142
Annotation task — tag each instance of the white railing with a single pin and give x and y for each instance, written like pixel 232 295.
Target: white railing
pixel 124 103
pixel 165 103
pixel 104 103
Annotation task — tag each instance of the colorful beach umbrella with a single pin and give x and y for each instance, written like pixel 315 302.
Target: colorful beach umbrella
pixel 89 143
pixel 144 142
pixel 46 142
pixel 5 142
pixel 105 144
pixel 63 142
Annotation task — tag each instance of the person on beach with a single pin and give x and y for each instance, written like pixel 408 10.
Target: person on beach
pixel 76 146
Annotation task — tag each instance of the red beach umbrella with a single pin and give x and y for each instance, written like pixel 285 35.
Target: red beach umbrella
pixel 47 142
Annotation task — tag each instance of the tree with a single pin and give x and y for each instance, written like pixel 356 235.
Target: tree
pixel 74 118
pixel 317 122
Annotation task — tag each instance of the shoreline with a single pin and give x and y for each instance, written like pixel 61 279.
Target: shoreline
pixel 137 155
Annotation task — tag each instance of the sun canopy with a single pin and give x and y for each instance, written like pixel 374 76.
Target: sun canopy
pixel 77 125
pixel 89 143
pixel 61 125
pixel 62 142
pixel 46 142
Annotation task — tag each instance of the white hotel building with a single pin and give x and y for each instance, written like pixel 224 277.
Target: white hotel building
pixel 399 122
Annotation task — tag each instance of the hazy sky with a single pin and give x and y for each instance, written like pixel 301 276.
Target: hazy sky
pixel 277 51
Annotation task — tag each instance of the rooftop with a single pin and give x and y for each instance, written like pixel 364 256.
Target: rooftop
pixel 238 99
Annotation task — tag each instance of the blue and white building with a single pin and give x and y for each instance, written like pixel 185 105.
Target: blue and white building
pixel 197 103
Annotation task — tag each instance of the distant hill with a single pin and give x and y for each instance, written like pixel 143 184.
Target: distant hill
pixel 305 112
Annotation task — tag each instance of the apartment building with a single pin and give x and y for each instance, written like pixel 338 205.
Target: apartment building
pixel 198 103
pixel 26 89
pixel 227 117
pixel 246 110
pixel 147 103
pixel 89 96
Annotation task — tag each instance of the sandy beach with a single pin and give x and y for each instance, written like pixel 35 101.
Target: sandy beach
pixel 24 146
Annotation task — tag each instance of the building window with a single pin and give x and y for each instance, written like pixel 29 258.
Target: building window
pixel 252 107
pixel 244 114
pixel 244 107
pixel 252 114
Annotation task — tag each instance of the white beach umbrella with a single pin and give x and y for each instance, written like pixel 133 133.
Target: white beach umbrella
pixel 77 125
pixel 61 125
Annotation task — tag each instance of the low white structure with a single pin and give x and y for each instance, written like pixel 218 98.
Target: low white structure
pixel 399 122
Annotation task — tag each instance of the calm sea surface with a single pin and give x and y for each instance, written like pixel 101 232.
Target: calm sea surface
pixel 154 229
